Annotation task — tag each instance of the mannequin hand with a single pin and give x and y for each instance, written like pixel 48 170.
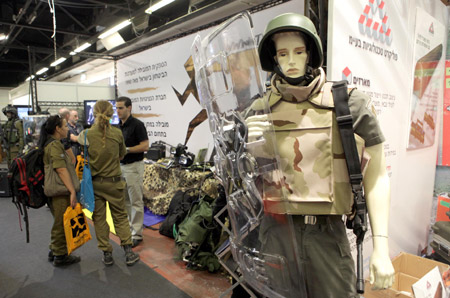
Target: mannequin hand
pixel 381 271
pixel 257 125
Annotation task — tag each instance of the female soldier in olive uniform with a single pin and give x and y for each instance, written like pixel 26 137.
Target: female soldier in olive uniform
pixel 106 149
pixel 52 131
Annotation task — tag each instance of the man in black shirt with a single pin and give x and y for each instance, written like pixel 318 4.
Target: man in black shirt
pixel 132 166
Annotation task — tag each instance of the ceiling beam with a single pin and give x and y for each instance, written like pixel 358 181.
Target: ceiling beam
pixel 61 53
pixel 73 18
pixel 107 4
pixel 33 27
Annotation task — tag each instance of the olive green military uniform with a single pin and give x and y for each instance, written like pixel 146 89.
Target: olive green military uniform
pixel 108 186
pixel 13 138
pixel 315 183
pixel 55 152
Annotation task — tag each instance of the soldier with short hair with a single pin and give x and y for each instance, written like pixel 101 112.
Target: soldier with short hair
pixel 312 164
pixel 13 138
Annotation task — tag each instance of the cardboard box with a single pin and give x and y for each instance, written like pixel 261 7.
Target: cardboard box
pixel 408 270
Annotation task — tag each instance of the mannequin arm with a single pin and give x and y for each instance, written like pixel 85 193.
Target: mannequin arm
pixel 376 186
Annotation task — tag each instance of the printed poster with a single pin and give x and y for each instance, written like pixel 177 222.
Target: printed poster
pixel 427 83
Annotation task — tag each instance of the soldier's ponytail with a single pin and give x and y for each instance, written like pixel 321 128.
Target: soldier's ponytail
pixel 103 111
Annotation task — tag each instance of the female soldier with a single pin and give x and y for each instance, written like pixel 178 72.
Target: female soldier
pixel 106 149
pixel 52 131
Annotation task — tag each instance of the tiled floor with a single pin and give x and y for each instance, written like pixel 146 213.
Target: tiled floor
pixel 158 252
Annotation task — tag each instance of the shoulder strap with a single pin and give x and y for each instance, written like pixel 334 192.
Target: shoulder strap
pixel 85 146
pixel 345 123
pixel 359 222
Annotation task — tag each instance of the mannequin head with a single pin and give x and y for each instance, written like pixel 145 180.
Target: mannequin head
pixel 291 54
pixel 287 23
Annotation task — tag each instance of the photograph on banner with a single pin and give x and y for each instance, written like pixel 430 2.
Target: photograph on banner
pixel 445 150
pixel 427 81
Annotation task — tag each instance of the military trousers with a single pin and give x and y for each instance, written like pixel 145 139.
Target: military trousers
pixel 58 206
pixel 133 174
pixel 11 154
pixel 323 254
pixel 111 192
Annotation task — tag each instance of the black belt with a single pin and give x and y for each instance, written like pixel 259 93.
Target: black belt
pixel 316 219
pixel 107 179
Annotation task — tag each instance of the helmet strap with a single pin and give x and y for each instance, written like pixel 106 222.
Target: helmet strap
pixel 303 80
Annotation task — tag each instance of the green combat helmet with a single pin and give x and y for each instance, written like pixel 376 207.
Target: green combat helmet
pixel 290 22
pixel 10 109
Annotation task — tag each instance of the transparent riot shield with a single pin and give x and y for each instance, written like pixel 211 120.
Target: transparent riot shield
pixel 32 129
pixel 229 83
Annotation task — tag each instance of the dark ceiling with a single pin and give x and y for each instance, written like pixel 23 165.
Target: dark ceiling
pixel 29 26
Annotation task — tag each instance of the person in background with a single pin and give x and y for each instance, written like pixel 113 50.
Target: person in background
pixel 74 130
pixel 52 131
pixel 136 140
pixel 13 138
pixel 64 113
pixel 106 149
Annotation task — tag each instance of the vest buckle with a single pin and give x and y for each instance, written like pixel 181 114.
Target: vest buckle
pixel 310 220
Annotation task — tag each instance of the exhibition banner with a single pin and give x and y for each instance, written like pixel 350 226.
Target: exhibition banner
pixel 446 118
pixel 375 45
pixel 427 84
pixel 160 83
pixel 366 48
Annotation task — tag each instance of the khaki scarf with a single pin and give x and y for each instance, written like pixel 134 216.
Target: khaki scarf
pixel 299 93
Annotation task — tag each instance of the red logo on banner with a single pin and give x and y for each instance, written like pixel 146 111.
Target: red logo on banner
pixel 347 75
pixel 374 23
pixel 431 29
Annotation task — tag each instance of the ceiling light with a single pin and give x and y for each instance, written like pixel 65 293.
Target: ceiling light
pixel 80 48
pixel 59 61
pixel 3 36
pixel 114 29
pixel 158 5
pixel 41 71
pixel 30 77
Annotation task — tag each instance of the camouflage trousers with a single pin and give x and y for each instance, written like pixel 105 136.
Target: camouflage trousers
pixel 324 254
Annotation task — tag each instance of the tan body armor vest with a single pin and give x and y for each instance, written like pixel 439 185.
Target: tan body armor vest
pixel 313 172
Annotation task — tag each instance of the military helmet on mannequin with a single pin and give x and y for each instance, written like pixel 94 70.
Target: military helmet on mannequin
pixel 9 109
pixel 290 22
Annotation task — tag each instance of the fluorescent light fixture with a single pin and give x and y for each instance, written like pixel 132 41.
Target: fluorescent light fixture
pixel 80 48
pixel 41 71
pixel 114 29
pixel 72 53
pixel 158 5
pixel 30 77
pixel 59 61
pixel 3 36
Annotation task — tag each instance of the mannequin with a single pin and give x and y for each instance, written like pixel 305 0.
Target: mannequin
pixel 292 49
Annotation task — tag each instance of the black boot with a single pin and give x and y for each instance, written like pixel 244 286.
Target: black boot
pixel 130 257
pixel 108 258
pixel 65 260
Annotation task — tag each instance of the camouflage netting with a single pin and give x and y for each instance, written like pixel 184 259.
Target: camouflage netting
pixel 161 184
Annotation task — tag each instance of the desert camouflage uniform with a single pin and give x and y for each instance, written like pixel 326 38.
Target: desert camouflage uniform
pixel 161 184
pixel 315 182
